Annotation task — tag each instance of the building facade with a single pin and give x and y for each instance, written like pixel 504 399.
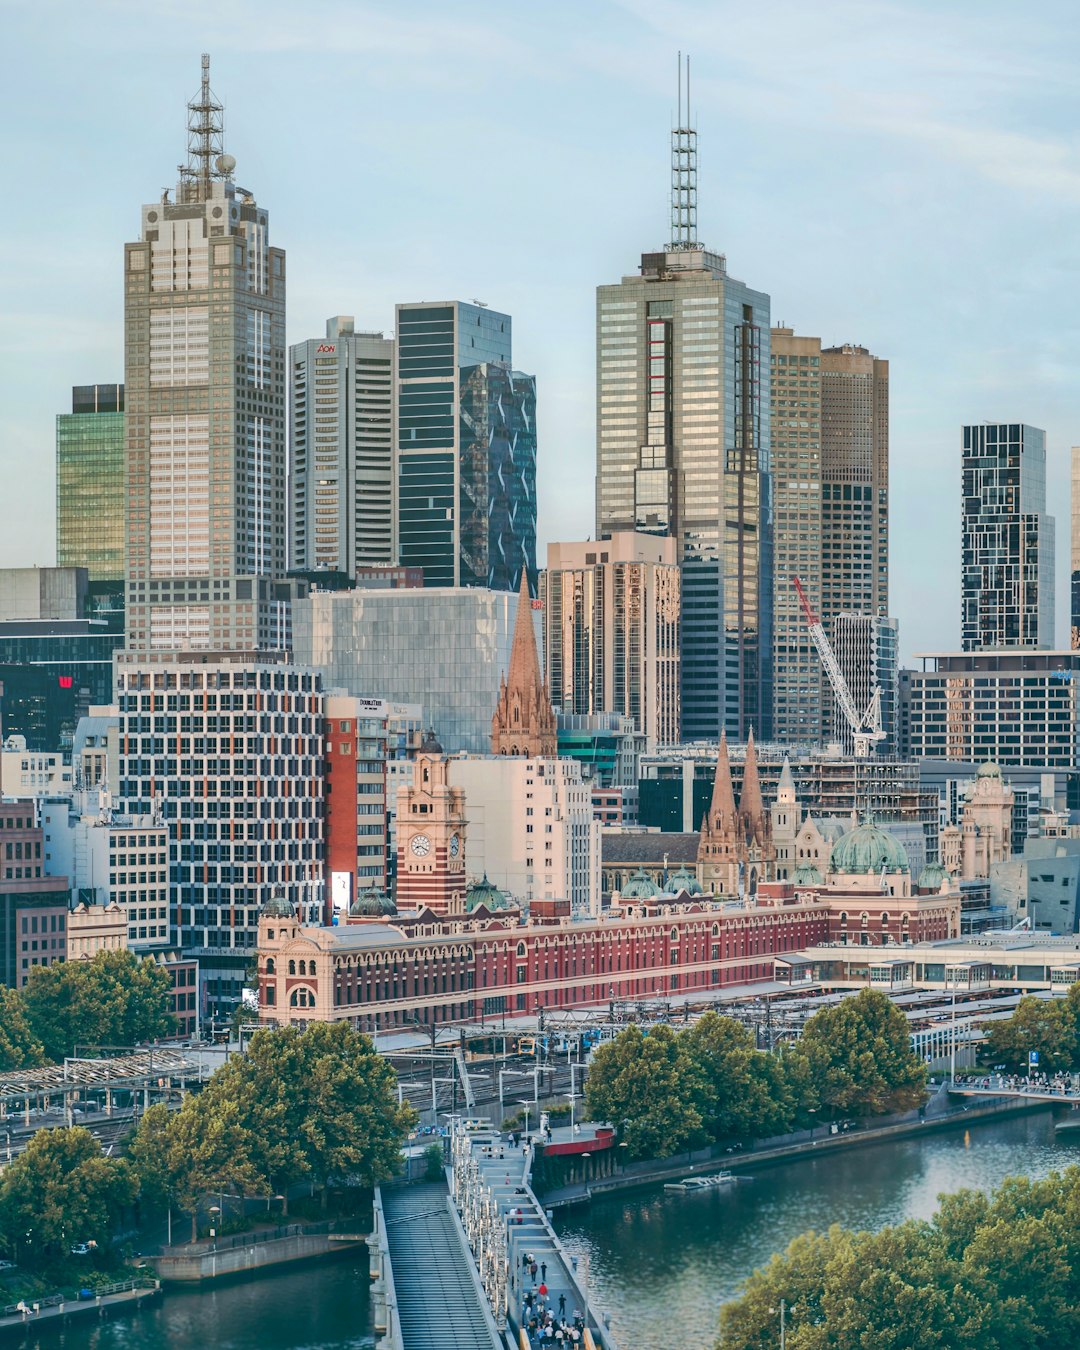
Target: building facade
pixel 531 828
pixel 611 613
pixel 1007 577
pixel 464 447
pixel 341 450
pixel 432 830
pixel 868 652
pixel 90 451
pixel 1012 707
pixel 230 754
pixel 33 905
pixel 682 364
pixel 204 376
pixel 446 649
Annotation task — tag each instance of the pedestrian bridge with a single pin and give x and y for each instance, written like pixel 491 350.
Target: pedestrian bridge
pixel 1036 1094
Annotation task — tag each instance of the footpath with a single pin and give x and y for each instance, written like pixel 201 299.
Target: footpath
pixel 57 1311
pixel 938 1115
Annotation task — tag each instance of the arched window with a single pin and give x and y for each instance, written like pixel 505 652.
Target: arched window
pixel 270 967
pixel 292 967
pixel 521 949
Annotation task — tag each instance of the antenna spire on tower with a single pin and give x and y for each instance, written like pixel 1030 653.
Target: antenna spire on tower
pixel 683 171
pixel 204 127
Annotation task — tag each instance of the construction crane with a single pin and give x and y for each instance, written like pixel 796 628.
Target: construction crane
pixel 865 729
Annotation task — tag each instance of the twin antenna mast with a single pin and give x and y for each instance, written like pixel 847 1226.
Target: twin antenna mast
pixel 684 170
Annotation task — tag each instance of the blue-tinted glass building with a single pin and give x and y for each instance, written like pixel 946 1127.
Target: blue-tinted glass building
pixel 464 448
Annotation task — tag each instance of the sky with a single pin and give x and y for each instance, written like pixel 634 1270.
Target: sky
pixel 901 175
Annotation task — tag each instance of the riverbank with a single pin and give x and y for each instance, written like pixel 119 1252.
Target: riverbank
pixel 773 1154
pixel 18 1320
pixel 245 1253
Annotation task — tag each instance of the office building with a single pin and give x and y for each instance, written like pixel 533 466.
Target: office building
pixel 32 773
pixel 682 449
pixel 341 450
pixel 1012 707
pixel 204 389
pixel 444 648
pixel 868 652
pixel 363 738
pixel 33 905
pixel 531 828
pixel 229 753
pixel 90 483
pixel 611 614
pixel 1007 578
pixel 465 448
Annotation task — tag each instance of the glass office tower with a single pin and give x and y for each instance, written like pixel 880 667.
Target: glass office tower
pixel 1008 539
pixel 90 482
pixel 465 448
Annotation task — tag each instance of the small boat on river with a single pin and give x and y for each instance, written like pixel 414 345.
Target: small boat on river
pixel 690 1185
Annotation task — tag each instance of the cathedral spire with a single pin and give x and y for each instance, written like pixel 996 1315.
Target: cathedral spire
pixel 751 805
pixel 722 806
pixel 524 720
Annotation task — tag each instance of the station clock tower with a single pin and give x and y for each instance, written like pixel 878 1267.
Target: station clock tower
pixel 431 828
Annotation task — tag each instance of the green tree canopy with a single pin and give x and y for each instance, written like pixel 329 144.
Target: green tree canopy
pixel 19 1047
pixel 61 1190
pixel 860 1057
pixel 1048 1026
pixel 998 1274
pixel 113 999
pixel 650 1089
pixel 745 1092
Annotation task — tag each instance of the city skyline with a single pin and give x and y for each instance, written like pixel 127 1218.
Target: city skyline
pixel 907 138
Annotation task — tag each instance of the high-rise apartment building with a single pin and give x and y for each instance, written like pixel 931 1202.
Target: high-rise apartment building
pixel 854 482
pixel 465 448
pixel 1007 581
pixel 868 652
pixel 341 450
pixel 229 754
pixel 830 461
pixel 90 482
pixel 204 312
pixel 682 449
pixel 611 630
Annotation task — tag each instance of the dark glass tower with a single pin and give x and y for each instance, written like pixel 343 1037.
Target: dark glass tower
pixel 465 448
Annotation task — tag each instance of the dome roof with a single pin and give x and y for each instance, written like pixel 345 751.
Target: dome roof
pixel 867 848
pixel 431 745
pixel 988 770
pixel 373 902
pixel 277 907
pixel 932 877
pixel 485 893
pixel 640 887
pixel 806 874
pixel 682 880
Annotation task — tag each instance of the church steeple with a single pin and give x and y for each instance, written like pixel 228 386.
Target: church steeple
pixel 751 805
pixel 524 720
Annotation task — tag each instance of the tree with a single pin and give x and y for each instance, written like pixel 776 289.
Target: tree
pixel 744 1090
pixel 149 1151
pixel 860 1057
pixel 19 1047
pixel 113 999
pixel 61 1190
pixel 1048 1026
pixel 650 1089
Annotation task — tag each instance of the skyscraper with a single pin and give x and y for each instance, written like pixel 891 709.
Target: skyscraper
pixel 341 450
pixel 1074 549
pixel 611 631
pixel 830 460
pixel 682 448
pixel 465 448
pixel 205 393
pixel 90 482
pixel 1008 539
pixel 854 481
pixel 867 650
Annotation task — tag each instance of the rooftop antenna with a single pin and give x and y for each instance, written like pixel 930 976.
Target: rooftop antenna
pixel 683 172
pixel 206 159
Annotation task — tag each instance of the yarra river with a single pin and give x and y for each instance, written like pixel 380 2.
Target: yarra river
pixel 662 1263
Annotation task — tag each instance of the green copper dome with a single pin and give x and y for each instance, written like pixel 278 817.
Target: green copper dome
pixel 932 877
pixel 484 893
pixel 277 907
pixel 867 848
pixel 682 880
pixel 988 770
pixel 806 874
pixel 640 887
pixel 372 903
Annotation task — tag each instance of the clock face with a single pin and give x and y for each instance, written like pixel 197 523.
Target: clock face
pixel 421 845
pixel 455 845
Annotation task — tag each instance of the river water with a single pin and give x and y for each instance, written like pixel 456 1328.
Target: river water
pixel 661 1262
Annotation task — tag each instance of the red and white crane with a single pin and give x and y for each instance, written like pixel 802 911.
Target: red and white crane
pixel 865 729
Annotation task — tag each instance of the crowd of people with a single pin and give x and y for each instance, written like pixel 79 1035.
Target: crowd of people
pixel 544 1318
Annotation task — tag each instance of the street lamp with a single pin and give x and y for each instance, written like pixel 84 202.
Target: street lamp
pixel 214 1212
pixel 526 1105
pixel 783 1322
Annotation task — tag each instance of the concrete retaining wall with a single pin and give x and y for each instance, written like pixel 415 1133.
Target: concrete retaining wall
pixel 188 1268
